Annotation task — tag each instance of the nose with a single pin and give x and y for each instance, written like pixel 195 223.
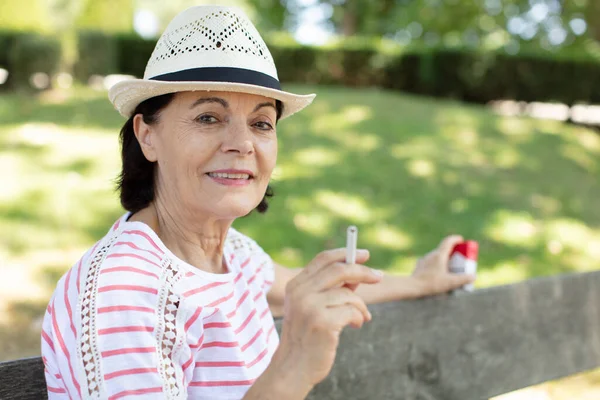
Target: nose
pixel 238 139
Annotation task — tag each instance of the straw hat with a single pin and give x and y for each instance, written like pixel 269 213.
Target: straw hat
pixel 208 48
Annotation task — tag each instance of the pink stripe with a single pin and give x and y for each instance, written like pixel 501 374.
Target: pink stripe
pixel 102 310
pixel 48 340
pixel 129 269
pixel 79 273
pixel 241 300
pixel 49 309
pixel 246 322
pixel 130 350
pixel 222 383
pixel 187 363
pixel 148 238
pixel 124 329
pixel 116 225
pixel 268 282
pixel 254 276
pixel 257 359
pixel 132 371
pixel 200 364
pixel 232 313
pixel 135 392
pixel 238 277
pixel 134 246
pixel 188 274
pixel 68 304
pixel 65 351
pixel 220 344
pixel 132 255
pixel 246 262
pixel 251 341
pixel 231 257
pixel 192 319
pixel 198 343
pixel 56 390
pixel 221 300
pixel 203 288
pixel 269 333
pixel 225 324
pixel 264 313
pixel 127 287
pixel 258 295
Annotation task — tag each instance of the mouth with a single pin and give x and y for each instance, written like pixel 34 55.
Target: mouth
pixel 242 175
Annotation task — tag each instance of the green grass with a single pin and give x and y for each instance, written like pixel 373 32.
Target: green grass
pixel 406 170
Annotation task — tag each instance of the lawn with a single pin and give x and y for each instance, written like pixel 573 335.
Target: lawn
pixel 404 169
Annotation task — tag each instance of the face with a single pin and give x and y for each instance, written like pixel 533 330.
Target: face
pixel 215 151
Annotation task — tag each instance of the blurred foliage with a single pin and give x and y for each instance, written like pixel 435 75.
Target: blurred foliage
pixel 469 22
pixel 97 55
pixel 31 53
pixel 106 16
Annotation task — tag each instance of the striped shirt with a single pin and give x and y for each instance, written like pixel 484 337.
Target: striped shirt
pixel 131 320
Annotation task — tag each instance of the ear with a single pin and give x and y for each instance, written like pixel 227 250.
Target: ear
pixel 145 135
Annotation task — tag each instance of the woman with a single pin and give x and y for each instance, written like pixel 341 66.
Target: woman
pixel 175 303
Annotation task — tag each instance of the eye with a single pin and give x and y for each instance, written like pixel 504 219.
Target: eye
pixel 264 126
pixel 207 119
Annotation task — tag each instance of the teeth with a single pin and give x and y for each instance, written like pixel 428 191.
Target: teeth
pixel 228 176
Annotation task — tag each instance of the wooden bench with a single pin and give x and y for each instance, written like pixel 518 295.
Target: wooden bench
pixel 466 347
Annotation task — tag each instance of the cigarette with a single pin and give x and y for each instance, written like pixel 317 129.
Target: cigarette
pixel 351 237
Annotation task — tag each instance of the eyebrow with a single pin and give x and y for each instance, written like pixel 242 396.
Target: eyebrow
pixel 203 100
pixel 225 104
pixel 265 104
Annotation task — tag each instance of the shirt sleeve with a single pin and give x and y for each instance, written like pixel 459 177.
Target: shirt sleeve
pixel 254 260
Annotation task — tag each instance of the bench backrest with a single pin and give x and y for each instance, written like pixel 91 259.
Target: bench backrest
pixel 468 346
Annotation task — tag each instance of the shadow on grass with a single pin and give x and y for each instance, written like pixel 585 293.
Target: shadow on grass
pixel 79 108
pixel 513 185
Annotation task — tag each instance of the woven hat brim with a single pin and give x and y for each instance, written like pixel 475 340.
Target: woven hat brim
pixel 128 94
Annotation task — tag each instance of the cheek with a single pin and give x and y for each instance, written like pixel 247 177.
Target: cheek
pixel 268 156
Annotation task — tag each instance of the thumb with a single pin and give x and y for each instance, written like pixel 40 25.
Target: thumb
pixel 445 247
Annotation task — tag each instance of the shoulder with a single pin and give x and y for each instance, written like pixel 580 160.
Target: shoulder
pixel 241 243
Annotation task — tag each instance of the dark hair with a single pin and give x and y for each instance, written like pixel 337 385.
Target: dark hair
pixel 136 180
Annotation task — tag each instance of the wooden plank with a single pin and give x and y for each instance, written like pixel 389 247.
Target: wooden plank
pixel 468 346
pixel 471 346
pixel 23 380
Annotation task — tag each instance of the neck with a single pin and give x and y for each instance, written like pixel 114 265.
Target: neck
pixel 196 240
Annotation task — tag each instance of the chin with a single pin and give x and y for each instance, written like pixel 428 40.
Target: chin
pixel 234 209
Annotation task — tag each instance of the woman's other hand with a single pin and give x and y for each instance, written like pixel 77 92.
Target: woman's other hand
pixel 319 303
pixel 432 271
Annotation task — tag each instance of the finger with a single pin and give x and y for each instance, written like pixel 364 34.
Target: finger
pixel 447 244
pixel 454 281
pixel 341 296
pixel 345 315
pixel 338 274
pixel 328 257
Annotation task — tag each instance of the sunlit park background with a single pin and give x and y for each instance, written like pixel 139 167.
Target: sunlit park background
pixel 432 117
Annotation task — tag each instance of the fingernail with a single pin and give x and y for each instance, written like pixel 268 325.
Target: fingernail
pixel 377 272
pixel 362 251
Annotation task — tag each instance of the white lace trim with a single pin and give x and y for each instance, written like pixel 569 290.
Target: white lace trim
pixel 169 339
pixel 87 349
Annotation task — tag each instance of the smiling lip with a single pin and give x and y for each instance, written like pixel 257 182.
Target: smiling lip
pixel 231 181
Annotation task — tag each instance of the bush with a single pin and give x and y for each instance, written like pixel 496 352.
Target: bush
pixel 31 53
pixel 7 41
pixel 133 53
pixel 97 55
